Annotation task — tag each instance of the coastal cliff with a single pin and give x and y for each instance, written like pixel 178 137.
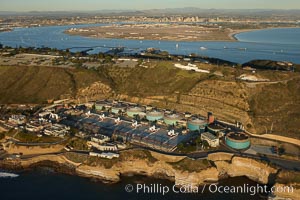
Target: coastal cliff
pixel 181 170
pixel 158 169
pixel 253 169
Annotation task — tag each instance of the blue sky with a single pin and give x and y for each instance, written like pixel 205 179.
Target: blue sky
pixel 59 5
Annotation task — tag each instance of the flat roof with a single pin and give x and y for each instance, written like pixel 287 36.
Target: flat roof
pixel 209 136
pixel 140 135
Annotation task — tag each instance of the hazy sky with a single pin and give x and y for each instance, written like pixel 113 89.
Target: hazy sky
pixel 58 5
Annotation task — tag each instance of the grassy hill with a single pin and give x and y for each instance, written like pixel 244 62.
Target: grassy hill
pixel 256 105
pixel 277 104
pixel 161 79
pixel 272 65
pixel 38 84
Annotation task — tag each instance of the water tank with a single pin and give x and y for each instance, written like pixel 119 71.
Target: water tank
pixel 237 140
pixel 197 125
pixel 116 109
pixel 100 105
pixel 215 128
pixel 154 115
pixel 131 112
pixel 171 119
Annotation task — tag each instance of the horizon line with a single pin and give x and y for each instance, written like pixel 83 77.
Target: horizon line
pixel 88 10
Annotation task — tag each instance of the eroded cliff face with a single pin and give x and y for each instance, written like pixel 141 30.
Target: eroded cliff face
pixel 95 91
pixel 222 164
pixel 207 175
pixel 226 99
pixel 287 191
pixel 233 166
pixel 253 169
pixel 158 169
pixel 287 185
pixel 101 173
pixel 181 170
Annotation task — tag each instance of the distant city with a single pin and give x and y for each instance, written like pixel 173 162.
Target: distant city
pixel 193 99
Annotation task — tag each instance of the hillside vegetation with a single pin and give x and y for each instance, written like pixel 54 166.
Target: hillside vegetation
pixel 162 79
pixel 256 105
pixel 276 107
pixel 38 84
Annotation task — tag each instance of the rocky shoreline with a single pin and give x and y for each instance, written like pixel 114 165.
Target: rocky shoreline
pixel 220 166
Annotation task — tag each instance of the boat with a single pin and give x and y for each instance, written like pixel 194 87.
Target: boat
pixel 177 46
pixel 8 175
pixel 203 48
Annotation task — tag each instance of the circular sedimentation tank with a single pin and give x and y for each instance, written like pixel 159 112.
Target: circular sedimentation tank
pixel 215 128
pixel 237 140
pixel 131 112
pixel 154 115
pixel 171 119
pixel 197 124
pixel 101 105
pixel 116 109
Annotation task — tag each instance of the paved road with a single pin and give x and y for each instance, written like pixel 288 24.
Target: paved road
pixel 283 163
pixel 272 82
pixel 44 154
pixel 261 149
pixel 37 143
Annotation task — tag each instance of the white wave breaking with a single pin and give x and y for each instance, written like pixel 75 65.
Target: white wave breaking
pixel 8 175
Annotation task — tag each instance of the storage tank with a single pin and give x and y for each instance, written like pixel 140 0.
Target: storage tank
pixel 171 119
pixel 131 112
pixel 215 128
pixel 100 105
pixel 237 140
pixel 116 109
pixel 154 115
pixel 197 124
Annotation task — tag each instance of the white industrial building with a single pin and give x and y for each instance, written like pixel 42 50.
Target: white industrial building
pixel 212 140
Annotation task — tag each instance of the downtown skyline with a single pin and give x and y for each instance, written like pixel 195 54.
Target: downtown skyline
pixel 93 5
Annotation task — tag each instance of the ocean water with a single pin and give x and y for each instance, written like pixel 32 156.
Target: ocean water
pixel 286 36
pixel 47 185
pixel 273 44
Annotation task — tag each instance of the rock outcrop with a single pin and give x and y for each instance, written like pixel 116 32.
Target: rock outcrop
pixel 207 175
pixel 177 169
pixel 103 174
pixel 288 192
pixel 157 169
pixel 95 91
pixel 253 169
